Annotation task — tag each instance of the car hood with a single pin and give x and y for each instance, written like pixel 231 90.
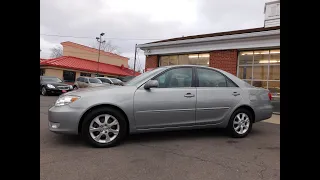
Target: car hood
pixel 56 84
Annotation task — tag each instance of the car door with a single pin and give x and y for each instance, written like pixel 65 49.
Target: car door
pixel 216 96
pixel 172 104
pixel 85 82
pixel 79 81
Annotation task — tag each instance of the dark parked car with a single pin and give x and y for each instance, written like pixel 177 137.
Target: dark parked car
pixel 53 85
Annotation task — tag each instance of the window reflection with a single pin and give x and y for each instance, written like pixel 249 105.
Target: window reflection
pixel 195 59
pixel 262 69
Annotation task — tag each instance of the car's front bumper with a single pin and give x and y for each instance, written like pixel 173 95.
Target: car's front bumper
pixel 57 91
pixel 64 119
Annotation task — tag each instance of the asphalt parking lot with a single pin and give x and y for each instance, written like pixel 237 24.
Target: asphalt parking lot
pixel 187 155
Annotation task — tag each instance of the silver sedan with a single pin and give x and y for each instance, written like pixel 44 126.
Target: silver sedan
pixel 166 98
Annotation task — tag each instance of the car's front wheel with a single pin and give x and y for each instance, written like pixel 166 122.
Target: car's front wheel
pixel 104 127
pixel 44 91
pixel 240 123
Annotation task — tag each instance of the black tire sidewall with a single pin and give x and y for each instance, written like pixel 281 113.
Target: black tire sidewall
pixel 96 112
pixel 232 131
pixel 46 93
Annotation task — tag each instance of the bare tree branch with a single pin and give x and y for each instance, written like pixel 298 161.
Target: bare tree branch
pixel 107 47
pixel 56 52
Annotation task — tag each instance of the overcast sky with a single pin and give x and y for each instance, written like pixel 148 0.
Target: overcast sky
pixel 127 22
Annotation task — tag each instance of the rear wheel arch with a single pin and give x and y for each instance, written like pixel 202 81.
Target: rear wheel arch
pixel 249 109
pixel 103 106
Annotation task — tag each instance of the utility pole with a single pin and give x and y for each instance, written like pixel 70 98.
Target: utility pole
pixel 100 41
pixel 135 59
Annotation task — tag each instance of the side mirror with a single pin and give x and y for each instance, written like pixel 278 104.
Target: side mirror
pixel 151 84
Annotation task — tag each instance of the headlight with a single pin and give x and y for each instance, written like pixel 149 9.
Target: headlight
pixel 70 86
pixel 50 86
pixel 66 100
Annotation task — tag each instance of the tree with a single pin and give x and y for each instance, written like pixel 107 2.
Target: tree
pixel 107 47
pixel 56 52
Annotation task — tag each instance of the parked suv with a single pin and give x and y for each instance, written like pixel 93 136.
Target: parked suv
pixel 83 82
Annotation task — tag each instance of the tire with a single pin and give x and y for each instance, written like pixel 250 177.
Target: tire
pixel 75 87
pixel 100 113
pixel 44 91
pixel 234 129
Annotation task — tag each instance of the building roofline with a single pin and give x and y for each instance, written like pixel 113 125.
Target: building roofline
pixel 214 35
pixel 86 48
pixel 50 63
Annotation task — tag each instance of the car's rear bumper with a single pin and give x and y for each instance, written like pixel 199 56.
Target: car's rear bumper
pixel 64 119
pixel 263 113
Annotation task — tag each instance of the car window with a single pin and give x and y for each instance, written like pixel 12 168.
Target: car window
pixel 212 78
pixel 85 80
pixel 115 80
pixel 178 77
pixel 104 80
pixel 80 79
pixel 94 80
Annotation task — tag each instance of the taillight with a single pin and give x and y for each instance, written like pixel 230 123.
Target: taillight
pixel 270 96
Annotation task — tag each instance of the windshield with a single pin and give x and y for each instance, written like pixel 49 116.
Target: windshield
pixel 95 80
pixel 51 79
pixel 114 80
pixel 137 80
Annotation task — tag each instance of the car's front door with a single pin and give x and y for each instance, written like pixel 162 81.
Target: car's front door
pixel 172 104
pixel 216 96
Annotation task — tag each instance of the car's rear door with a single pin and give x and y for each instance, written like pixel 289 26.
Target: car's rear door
pixel 172 104
pixel 216 96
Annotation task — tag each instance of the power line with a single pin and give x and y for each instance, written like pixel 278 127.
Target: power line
pixel 86 37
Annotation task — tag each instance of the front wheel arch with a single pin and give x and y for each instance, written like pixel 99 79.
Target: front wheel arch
pixel 103 106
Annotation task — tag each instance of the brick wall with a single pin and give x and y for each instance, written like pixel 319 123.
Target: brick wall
pixel 152 61
pixel 225 60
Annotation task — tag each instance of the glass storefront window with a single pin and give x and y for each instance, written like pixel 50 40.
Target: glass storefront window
pixel 262 84
pixel 195 59
pixel 274 72
pixel 246 58
pixel 261 57
pixel 245 72
pixel 260 72
pixel 261 68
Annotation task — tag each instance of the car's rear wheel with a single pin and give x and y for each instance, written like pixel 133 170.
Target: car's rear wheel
pixel 75 87
pixel 240 123
pixel 104 127
pixel 44 91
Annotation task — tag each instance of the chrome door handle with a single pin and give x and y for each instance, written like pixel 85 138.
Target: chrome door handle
pixel 235 93
pixel 189 95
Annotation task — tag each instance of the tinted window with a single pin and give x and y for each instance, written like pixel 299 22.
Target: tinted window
pixel 104 80
pixel 85 80
pixel 114 80
pixel 51 79
pixel 94 80
pixel 69 76
pixel 211 78
pixel 85 74
pixel 80 79
pixel 178 77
